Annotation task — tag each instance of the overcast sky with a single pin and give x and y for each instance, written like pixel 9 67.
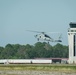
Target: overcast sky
pixel 17 16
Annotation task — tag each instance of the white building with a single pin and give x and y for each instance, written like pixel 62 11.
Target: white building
pixel 72 43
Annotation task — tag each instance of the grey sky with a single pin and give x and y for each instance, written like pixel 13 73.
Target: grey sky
pixel 17 16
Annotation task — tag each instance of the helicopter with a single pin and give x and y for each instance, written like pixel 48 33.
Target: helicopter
pixel 45 37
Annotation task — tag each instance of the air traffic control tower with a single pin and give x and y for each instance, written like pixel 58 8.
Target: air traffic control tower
pixel 72 42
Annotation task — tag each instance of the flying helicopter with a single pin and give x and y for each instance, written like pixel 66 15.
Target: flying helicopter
pixel 45 37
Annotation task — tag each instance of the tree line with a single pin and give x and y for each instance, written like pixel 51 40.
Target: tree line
pixel 38 50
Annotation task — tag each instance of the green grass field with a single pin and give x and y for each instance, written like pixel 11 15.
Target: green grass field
pixel 40 67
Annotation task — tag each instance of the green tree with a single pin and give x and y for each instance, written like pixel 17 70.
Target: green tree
pixel 57 50
pixel 1 50
pixel 42 50
pixel 39 50
pixel 8 52
pixel 21 52
pixel 65 51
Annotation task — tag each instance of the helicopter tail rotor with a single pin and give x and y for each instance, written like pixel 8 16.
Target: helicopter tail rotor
pixel 59 38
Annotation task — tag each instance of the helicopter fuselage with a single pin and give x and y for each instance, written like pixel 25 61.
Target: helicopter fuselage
pixel 43 37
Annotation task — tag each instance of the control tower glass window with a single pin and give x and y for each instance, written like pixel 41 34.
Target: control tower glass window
pixel 72 25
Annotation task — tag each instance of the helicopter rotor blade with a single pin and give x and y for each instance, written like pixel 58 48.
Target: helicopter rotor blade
pixel 44 32
pixel 35 31
pixel 53 32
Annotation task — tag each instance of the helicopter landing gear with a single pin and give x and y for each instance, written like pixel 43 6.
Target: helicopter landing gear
pixel 38 39
pixel 48 42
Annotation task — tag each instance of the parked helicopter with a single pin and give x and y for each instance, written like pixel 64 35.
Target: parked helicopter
pixel 43 36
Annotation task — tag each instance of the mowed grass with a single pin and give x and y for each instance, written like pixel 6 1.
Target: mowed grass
pixel 40 67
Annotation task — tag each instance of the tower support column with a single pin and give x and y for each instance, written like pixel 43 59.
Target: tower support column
pixel 72 43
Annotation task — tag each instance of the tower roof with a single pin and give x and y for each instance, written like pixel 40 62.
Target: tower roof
pixel 72 25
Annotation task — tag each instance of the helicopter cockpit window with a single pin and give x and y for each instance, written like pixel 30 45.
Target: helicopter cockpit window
pixel 47 36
